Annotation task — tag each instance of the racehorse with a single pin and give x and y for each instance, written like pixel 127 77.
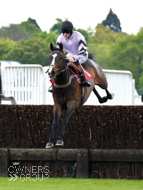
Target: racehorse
pixel 67 93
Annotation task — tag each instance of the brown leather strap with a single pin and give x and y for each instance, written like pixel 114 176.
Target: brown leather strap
pixel 75 67
pixel 64 85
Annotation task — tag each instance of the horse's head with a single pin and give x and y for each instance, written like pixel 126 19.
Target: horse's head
pixel 57 61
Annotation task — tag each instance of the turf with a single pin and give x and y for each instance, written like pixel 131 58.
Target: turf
pixel 69 184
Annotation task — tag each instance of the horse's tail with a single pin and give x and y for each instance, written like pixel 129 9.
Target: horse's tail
pixel 91 56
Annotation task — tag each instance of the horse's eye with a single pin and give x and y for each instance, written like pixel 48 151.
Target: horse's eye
pixel 60 58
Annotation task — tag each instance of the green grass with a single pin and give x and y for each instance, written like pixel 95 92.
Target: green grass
pixel 69 184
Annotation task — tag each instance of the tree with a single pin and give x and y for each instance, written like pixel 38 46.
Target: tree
pixel 6 45
pixel 56 28
pixel 17 32
pixel 100 42
pixel 126 54
pixel 91 33
pixel 140 58
pixel 31 51
pixel 14 32
pixel 113 22
pixel 104 34
pixel 30 28
pixel 48 37
pixel 100 52
pixel 33 21
pixel 84 33
pixel 141 83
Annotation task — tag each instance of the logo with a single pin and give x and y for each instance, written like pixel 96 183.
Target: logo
pixel 32 173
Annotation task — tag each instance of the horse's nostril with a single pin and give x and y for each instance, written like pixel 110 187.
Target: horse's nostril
pixel 52 73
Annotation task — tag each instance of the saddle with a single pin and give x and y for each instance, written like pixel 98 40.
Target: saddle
pixel 75 74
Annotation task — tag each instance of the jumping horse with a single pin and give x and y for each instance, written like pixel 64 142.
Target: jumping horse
pixel 67 93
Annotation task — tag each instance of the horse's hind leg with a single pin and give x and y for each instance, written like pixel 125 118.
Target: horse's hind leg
pixel 101 100
pixel 109 96
pixel 105 98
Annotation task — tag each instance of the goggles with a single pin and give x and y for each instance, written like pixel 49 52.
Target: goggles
pixel 66 31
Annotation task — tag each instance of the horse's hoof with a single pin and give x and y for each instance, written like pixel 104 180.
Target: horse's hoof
pixel 49 145
pixel 112 96
pixel 103 100
pixel 59 143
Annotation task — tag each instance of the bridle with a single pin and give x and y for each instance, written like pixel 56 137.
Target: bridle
pixel 59 69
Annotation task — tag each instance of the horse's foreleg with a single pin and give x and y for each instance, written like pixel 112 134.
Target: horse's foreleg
pixel 57 113
pixel 65 120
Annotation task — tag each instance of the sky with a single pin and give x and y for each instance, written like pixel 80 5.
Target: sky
pixel 82 13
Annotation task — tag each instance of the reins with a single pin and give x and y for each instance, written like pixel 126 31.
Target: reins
pixel 75 67
pixel 70 79
pixel 64 85
pixel 61 71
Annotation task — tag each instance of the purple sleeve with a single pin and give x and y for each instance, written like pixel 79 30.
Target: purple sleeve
pixel 82 47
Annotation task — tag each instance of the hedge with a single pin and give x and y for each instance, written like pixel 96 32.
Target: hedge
pixel 91 127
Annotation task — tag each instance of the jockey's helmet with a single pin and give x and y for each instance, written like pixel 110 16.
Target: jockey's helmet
pixel 67 27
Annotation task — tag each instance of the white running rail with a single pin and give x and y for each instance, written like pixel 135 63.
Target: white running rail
pixel 25 83
pixel 29 84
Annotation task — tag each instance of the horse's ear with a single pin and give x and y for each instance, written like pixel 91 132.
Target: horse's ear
pixel 51 47
pixel 61 46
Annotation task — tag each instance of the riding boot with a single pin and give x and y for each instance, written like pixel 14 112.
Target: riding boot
pixel 50 89
pixel 83 78
pixel 82 75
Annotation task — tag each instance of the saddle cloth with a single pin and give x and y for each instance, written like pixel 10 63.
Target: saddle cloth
pixel 77 76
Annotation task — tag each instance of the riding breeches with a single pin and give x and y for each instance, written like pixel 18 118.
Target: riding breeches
pixel 81 60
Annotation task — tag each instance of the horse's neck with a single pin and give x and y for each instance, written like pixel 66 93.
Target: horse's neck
pixel 62 78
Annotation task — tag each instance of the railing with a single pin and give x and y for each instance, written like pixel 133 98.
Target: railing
pixel 29 84
pixel 25 83
pixel 121 84
pixel 82 157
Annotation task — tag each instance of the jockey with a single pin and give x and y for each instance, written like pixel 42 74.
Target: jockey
pixel 74 43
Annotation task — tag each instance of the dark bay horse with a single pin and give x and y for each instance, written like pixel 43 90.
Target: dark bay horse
pixel 67 93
